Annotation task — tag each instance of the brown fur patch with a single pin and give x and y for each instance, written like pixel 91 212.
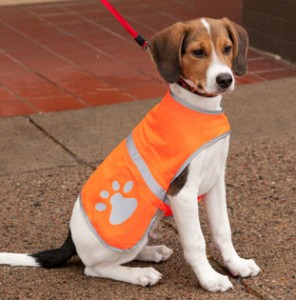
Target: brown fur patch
pixel 239 37
pixel 165 48
pixel 178 183
pixel 220 39
pixel 194 68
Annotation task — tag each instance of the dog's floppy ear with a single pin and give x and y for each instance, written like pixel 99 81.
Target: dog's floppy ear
pixel 165 48
pixel 240 40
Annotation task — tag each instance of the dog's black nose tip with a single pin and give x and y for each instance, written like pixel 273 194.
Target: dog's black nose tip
pixel 224 80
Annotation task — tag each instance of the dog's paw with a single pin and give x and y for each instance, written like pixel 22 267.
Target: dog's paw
pixel 146 276
pixel 160 253
pixel 164 252
pixel 215 282
pixel 242 267
pixel 155 253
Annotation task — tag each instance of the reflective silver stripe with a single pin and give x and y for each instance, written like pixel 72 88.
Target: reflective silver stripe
pixel 192 107
pixel 191 157
pixel 153 185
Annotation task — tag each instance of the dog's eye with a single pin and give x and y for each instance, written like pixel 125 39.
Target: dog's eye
pixel 227 50
pixel 200 53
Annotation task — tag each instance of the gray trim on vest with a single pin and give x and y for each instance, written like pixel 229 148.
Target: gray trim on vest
pixel 191 157
pixel 111 247
pixel 192 107
pixel 140 163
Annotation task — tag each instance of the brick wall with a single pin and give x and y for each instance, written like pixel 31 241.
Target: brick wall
pixel 271 25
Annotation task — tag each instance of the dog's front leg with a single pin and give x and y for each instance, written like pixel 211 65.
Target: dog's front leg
pixel 216 208
pixel 185 209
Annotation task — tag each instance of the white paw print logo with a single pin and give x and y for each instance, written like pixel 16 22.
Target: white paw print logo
pixel 122 208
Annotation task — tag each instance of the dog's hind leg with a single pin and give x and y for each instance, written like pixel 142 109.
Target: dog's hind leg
pixel 155 253
pixel 137 276
pixel 100 261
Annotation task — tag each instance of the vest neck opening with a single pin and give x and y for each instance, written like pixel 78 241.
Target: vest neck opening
pixel 196 102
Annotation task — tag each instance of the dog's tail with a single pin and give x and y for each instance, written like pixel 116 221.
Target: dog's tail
pixel 54 258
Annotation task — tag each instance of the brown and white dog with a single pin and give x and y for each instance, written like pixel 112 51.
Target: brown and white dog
pixel 200 55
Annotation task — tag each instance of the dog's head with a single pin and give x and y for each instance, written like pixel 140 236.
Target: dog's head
pixel 204 52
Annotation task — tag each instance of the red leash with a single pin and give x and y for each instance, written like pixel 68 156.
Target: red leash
pixel 137 37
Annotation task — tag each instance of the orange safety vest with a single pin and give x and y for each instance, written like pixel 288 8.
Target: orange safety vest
pixel 122 197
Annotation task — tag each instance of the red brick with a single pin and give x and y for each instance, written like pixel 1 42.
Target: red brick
pixel 63 46
pixel 81 83
pixel 127 3
pixel 8 65
pixel 264 64
pixel 104 97
pixel 130 80
pixel 248 78
pixel 23 52
pixel 80 7
pixel 270 75
pixel 5 95
pixel 45 62
pixel 147 92
pixel 12 13
pixel 44 89
pixel 58 19
pixel 28 24
pixel 102 69
pixel 137 10
pixel 20 78
pixel 56 103
pixel 156 21
pixel 253 54
pixel 60 74
pixel 44 9
pixel 96 15
pixel 12 106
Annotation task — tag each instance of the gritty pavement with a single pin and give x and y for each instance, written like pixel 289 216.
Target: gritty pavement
pixel 46 158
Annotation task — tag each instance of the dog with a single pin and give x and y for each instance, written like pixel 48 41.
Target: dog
pixel 197 58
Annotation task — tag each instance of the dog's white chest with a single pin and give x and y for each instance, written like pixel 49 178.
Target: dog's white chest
pixel 205 168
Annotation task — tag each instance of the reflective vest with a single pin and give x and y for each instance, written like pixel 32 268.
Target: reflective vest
pixel 122 197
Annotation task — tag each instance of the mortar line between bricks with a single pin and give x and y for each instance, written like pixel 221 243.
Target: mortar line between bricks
pixel 79 160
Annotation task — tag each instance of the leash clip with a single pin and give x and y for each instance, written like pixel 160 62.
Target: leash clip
pixel 145 46
pixel 142 42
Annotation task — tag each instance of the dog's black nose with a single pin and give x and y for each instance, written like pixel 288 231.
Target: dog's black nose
pixel 224 80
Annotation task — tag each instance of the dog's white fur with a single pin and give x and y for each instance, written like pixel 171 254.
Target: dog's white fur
pixel 205 177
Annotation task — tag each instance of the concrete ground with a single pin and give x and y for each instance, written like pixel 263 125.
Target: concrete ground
pixel 46 158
